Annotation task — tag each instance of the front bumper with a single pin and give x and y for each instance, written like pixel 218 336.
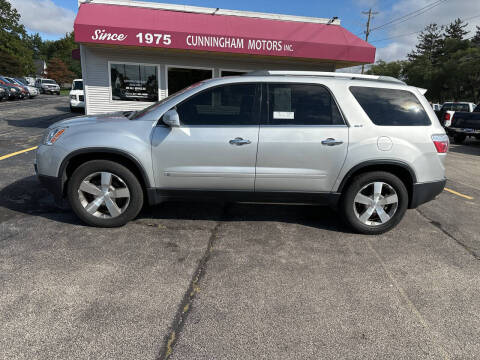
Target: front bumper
pixel 425 192
pixel 77 104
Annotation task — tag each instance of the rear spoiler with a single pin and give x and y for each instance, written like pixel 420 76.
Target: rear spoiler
pixel 422 90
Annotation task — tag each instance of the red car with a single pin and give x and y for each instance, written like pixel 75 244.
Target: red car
pixel 23 93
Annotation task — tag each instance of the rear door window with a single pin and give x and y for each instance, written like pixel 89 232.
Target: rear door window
pixel 301 104
pixel 391 107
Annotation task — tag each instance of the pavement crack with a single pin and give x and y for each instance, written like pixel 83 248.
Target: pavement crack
pixel 439 226
pixel 185 305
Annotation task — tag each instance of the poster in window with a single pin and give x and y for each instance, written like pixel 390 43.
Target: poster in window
pixel 134 82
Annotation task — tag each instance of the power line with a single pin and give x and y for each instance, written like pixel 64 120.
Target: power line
pixel 411 15
pixel 419 31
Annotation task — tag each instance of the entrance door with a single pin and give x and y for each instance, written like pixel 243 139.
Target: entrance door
pixel 303 145
pixel 215 147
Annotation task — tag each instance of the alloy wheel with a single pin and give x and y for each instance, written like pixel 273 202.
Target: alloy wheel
pixel 104 195
pixel 375 204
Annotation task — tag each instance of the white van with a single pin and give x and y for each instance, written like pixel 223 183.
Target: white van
pixel 77 95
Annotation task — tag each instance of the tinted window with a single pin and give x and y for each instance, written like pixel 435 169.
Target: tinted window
pixel 301 104
pixel 235 104
pixel 389 107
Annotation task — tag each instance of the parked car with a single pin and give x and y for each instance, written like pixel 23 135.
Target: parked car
pixel 3 94
pixel 32 91
pixel 11 92
pixel 30 81
pixel 465 124
pixel 77 96
pixel 448 109
pixel 22 92
pixel 47 86
pixel 370 146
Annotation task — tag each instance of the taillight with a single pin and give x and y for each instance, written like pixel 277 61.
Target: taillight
pixel 441 143
pixel 447 116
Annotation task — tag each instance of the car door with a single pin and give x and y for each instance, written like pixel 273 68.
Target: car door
pixel 215 147
pixel 303 139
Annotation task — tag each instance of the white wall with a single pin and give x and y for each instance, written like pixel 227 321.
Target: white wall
pixel 95 69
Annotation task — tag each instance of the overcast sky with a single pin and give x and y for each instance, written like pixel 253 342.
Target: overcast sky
pixel 53 18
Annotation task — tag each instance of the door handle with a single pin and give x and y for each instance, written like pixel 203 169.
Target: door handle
pixel 331 142
pixel 239 141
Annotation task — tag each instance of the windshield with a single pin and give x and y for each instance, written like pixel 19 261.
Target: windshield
pixel 23 81
pixel 456 107
pixel 138 114
pixel 49 82
pixel 77 85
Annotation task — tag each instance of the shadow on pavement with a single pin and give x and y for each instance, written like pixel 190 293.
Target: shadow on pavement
pixel 470 147
pixel 40 122
pixel 28 197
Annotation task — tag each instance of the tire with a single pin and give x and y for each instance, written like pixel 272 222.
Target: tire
pixel 352 207
pixel 122 180
pixel 459 138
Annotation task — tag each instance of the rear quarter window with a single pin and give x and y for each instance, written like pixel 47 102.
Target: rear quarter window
pixel 390 107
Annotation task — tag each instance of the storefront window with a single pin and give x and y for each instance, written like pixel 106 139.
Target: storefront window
pixel 180 78
pixel 232 73
pixel 132 82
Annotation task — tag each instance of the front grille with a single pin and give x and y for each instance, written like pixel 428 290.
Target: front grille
pixel 81 98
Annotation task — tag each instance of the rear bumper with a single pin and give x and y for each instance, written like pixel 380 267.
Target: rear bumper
pixel 425 192
pixel 465 131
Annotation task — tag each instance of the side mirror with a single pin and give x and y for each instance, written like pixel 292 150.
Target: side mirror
pixel 171 118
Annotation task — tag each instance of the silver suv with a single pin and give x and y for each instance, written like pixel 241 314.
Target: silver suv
pixel 369 146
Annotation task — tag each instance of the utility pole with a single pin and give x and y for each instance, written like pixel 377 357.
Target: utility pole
pixel 370 14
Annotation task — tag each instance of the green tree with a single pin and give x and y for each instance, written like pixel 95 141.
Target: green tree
pixel 14 38
pixel 9 65
pixel 430 42
pixel 456 30
pixel 393 69
pixel 62 49
pixel 476 38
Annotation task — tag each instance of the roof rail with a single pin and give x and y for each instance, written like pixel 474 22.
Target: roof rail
pixel 350 76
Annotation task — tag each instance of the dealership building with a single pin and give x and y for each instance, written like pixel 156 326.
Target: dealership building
pixel 134 53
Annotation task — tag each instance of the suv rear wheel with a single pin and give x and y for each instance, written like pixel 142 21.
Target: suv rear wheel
pixel 104 193
pixel 374 202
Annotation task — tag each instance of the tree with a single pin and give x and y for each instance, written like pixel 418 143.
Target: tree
pixel 393 69
pixel 58 71
pixel 13 37
pixel 9 65
pixel 430 42
pixel 476 38
pixel 456 30
pixel 62 49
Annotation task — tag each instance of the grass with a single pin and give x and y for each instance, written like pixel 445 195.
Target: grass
pixel 64 92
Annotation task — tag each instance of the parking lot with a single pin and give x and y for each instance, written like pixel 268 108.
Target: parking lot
pixel 236 281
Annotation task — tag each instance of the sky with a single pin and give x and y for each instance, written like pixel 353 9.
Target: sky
pixel 53 18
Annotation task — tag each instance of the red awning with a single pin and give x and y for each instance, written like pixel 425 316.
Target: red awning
pixel 137 26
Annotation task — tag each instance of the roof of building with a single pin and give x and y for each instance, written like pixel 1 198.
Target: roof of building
pixel 136 24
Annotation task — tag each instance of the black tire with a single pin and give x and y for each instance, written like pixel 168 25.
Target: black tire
pixel 347 204
pixel 131 181
pixel 459 138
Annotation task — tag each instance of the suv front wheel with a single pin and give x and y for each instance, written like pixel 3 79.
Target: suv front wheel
pixel 104 193
pixel 374 202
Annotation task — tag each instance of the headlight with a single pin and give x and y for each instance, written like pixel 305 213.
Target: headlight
pixel 73 97
pixel 53 135
pixel 13 90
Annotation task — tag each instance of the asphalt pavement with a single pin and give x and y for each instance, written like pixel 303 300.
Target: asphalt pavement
pixel 231 281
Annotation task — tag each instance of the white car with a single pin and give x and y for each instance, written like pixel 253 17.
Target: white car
pixel 77 95
pixel 32 91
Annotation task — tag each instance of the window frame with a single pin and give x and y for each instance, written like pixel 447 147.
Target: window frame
pixel 389 88
pixel 112 101
pixel 258 104
pixel 265 116
pixel 212 69
pixel 220 70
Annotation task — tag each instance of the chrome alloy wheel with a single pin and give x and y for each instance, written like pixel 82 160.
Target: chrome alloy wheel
pixel 375 203
pixel 104 195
